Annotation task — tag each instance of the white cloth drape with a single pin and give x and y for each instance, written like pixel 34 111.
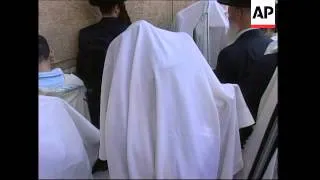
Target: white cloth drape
pixel 73 91
pixel 164 114
pixel 267 105
pixel 68 143
pixel 207 23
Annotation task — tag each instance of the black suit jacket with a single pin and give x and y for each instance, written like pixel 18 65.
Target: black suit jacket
pixel 235 65
pixel 235 60
pixel 94 41
pixel 255 84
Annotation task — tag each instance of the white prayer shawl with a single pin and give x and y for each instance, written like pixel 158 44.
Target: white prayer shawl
pixel 272 47
pixel 73 91
pixel 77 98
pixel 272 169
pixel 207 23
pixel 218 27
pixel 68 143
pixel 267 105
pixel 187 18
pixel 164 114
pixel 274 37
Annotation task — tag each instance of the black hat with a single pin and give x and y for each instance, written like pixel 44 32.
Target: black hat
pixel 236 3
pixel 104 2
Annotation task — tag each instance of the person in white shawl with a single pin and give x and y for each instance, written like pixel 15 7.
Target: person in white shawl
pixel 261 152
pixel 68 143
pixel 164 114
pixel 207 23
pixel 53 82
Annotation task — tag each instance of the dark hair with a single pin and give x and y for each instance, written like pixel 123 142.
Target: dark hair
pixel 124 16
pixel 44 50
pixel 108 7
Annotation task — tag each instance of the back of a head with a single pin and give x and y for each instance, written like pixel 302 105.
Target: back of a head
pixel 155 61
pixel 178 94
pixel 107 7
pixel 164 46
pixel 43 49
pixel 239 12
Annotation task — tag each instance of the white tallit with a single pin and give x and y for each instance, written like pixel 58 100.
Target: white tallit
pixel 73 91
pixel 207 23
pixel 266 107
pixel 164 114
pixel 68 143
pixel 187 18
pixel 77 98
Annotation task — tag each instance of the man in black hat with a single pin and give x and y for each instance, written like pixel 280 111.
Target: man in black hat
pixel 259 75
pixel 94 41
pixel 235 61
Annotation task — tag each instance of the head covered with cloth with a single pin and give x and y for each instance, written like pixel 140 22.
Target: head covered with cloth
pixel 164 114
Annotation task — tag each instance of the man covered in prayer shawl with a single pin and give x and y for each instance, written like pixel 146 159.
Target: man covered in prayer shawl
pixel 53 82
pixel 68 143
pixel 207 23
pixel 164 114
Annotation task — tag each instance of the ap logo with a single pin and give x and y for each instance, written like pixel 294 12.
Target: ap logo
pixel 263 13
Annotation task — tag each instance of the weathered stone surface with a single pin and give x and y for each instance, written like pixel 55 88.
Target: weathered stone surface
pixel 61 20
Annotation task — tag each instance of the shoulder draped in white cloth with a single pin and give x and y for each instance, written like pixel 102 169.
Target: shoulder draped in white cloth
pixel 77 97
pixel 73 91
pixel 164 114
pixel 207 23
pixel 267 106
pixel 68 143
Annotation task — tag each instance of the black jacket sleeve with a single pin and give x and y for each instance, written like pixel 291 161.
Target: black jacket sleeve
pixel 81 59
pixel 223 71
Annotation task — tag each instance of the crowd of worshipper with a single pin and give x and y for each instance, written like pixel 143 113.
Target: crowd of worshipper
pixel 196 101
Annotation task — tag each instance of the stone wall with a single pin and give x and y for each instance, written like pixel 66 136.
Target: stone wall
pixel 61 20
